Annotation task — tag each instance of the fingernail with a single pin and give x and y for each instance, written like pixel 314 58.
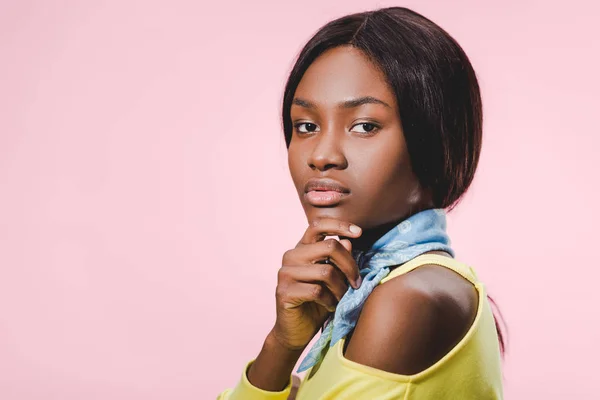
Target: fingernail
pixel 354 228
pixel 358 282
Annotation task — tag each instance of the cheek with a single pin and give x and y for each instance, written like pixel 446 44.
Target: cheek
pixel 386 178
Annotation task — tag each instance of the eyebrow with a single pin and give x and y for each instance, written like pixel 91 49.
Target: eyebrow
pixel 352 103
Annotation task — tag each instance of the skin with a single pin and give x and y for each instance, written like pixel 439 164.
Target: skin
pixel 411 321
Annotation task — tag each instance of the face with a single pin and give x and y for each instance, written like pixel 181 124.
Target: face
pixel 347 131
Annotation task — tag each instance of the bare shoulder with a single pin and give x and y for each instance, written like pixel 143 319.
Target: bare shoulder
pixel 411 321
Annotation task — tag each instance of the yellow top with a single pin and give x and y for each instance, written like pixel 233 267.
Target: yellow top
pixel 471 370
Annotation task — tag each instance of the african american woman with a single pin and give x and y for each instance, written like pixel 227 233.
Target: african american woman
pixel 382 118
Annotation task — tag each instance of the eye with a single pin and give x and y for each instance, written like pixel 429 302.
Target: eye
pixel 310 127
pixel 368 127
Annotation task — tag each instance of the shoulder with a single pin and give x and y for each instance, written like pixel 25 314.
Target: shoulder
pixel 411 321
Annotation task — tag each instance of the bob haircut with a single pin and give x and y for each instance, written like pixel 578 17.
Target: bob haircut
pixel 437 92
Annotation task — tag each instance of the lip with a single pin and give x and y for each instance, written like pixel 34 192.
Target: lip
pixel 324 184
pixel 324 192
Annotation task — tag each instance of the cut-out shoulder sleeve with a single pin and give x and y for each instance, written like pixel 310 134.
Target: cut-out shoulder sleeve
pixel 413 320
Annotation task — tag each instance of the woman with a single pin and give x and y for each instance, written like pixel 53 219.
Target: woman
pixel 383 123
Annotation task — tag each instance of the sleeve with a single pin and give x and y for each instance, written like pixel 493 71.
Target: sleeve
pixel 246 391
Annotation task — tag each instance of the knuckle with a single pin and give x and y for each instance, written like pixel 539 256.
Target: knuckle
pixel 280 292
pixel 327 271
pixel 281 273
pixel 317 290
pixel 333 245
pixel 330 244
pixel 316 222
pixel 286 256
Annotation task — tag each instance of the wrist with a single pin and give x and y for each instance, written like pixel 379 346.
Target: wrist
pixel 272 368
pixel 274 343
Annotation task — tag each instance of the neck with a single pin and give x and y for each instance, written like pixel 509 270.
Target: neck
pixel 371 235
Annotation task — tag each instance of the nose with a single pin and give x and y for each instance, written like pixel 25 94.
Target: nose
pixel 327 152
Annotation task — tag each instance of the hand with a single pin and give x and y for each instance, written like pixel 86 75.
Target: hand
pixel 307 288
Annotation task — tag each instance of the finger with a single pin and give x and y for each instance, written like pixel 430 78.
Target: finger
pixel 326 274
pixel 332 251
pixel 319 228
pixel 347 245
pixel 303 292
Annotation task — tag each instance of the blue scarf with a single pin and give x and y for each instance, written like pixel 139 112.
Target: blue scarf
pixel 421 233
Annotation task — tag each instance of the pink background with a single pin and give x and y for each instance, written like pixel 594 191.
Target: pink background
pixel 145 200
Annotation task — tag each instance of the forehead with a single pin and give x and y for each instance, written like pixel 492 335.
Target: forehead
pixel 340 74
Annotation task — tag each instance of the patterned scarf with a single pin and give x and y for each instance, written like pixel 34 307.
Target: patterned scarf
pixel 421 233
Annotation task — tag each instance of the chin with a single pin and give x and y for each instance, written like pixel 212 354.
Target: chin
pixel 328 212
